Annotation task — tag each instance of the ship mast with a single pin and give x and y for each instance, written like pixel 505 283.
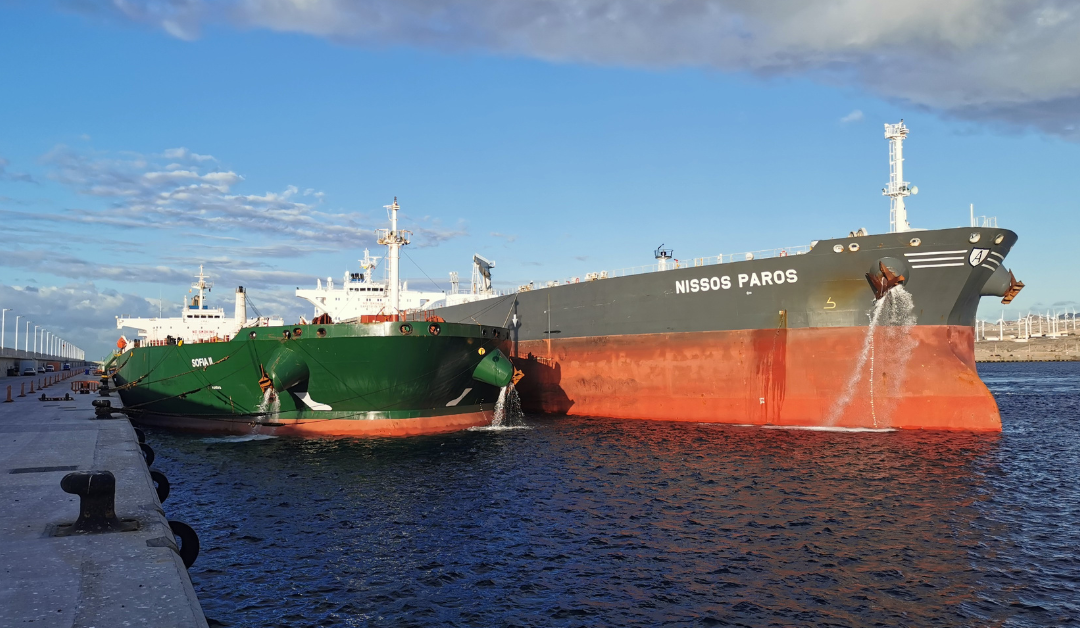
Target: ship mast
pixel 201 285
pixel 394 240
pixel 897 188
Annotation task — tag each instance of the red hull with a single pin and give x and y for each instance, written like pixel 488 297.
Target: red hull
pixel 923 377
pixel 325 428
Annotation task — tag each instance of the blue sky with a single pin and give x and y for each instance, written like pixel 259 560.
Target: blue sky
pixel 277 138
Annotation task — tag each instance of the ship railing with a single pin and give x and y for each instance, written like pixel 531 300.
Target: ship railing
pixel 161 343
pixel 674 264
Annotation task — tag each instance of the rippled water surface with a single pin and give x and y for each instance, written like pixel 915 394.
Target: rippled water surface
pixel 587 522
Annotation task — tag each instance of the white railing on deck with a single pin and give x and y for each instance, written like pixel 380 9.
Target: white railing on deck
pixel 677 263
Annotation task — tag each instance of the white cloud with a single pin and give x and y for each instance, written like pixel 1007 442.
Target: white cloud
pixel 184 154
pixel 189 192
pixel 854 116
pixel 1002 60
pixel 79 313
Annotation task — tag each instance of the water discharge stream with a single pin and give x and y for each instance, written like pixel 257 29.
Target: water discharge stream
pixel 508 413
pixel 895 314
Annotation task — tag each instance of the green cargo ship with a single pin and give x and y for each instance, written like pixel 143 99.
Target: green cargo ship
pixel 381 375
pixel 390 378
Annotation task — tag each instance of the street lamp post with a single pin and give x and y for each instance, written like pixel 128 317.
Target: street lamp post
pixel 3 326
pixel 17 332
pixel 36 327
pixel 26 337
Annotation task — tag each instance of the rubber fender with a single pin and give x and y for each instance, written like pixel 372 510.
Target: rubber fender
pixel 494 369
pixel 188 546
pixel 896 265
pixel 148 453
pixel 998 284
pixel 286 369
pixel 161 485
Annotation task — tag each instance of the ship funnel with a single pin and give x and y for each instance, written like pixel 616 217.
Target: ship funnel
pixel 241 305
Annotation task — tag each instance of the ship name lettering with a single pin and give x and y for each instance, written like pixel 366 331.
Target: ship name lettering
pixel 765 278
pixel 197 363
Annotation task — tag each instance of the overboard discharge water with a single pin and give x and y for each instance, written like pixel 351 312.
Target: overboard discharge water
pixel 895 314
pixel 508 413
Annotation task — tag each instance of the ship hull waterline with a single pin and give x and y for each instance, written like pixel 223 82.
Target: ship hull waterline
pixel 322 428
pixel 808 377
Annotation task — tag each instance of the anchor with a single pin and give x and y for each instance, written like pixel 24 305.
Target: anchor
pixel 884 282
pixel 265 382
pixel 1014 289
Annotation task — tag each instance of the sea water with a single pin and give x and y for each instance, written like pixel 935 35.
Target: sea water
pixel 601 522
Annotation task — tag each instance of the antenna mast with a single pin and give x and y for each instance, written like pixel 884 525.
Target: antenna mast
pixel 201 285
pixel 897 188
pixel 394 240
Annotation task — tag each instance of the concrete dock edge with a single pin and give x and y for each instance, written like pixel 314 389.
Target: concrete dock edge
pixel 105 579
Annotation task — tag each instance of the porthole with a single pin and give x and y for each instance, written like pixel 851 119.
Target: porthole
pixel 999 239
pixel 287 334
pixel 974 237
pixel 838 248
pixel 915 242
pixel 297 331
pixel 481 351
pixel 854 246
pixel 252 335
pixel 494 333
pixel 321 332
pixel 434 329
pixel 405 329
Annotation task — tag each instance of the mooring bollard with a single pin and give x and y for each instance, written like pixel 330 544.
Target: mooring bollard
pixel 31 387
pixel 97 502
pixel 22 389
pixel 9 399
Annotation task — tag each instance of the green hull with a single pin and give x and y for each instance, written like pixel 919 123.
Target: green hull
pixel 345 379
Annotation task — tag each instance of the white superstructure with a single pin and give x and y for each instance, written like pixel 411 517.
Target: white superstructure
pixel 197 322
pixel 360 294
pixel 897 189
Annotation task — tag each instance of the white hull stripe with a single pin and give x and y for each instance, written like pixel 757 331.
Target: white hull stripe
pixel 991 264
pixel 934 253
pixel 936 265
pixel 936 259
pixel 997 255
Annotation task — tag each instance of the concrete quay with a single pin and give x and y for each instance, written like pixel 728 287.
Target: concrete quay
pixel 103 579
pixel 1060 349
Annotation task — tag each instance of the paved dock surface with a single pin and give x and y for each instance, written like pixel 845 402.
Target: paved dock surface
pixel 105 580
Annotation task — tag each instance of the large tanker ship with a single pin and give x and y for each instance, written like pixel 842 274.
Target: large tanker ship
pixel 866 331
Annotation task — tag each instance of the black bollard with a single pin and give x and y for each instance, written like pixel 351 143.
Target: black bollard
pixel 97 503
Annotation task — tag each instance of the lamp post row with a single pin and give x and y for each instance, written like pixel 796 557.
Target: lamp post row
pixel 45 342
